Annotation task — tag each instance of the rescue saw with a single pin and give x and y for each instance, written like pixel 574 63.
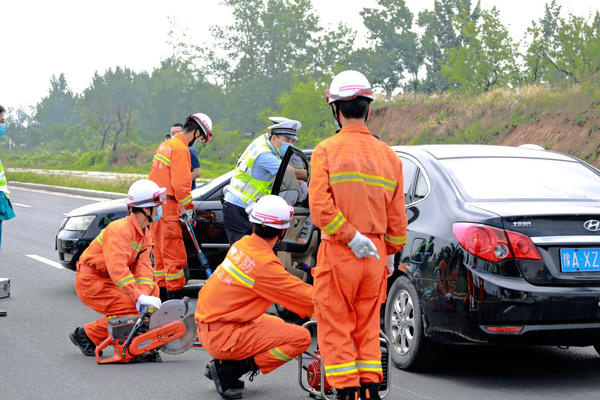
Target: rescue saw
pixel 171 329
pixel 315 381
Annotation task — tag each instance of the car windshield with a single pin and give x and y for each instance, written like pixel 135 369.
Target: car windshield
pixel 483 178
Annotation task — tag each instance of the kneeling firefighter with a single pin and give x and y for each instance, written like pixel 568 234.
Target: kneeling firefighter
pixel 230 314
pixel 114 274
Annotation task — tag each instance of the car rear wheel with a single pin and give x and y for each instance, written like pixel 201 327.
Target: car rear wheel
pixel 404 326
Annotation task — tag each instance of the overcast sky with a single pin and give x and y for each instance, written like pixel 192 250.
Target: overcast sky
pixel 78 37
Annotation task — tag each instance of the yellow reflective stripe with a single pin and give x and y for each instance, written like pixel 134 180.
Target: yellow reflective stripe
pixel 369 365
pixel 126 280
pixel 355 176
pixel 172 277
pixel 280 355
pixel 395 239
pixel 162 159
pixel 237 273
pixel 185 200
pixel 334 225
pixel 136 246
pixel 159 273
pixel 341 369
pixel 144 281
pixel 100 237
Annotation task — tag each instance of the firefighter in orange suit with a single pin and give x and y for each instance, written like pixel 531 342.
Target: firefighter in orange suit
pixel 171 168
pixel 230 312
pixel 114 274
pixel 356 198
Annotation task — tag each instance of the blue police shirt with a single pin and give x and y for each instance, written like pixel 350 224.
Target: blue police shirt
pixel 195 164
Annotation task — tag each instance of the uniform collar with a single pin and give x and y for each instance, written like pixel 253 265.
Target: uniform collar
pixel 257 241
pixel 355 128
pixel 273 149
pixel 180 137
pixel 133 221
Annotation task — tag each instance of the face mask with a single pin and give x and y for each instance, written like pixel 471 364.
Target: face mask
pixel 283 148
pixel 2 129
pixel 158 214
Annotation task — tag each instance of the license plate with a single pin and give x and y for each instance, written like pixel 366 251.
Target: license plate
pixel 578 260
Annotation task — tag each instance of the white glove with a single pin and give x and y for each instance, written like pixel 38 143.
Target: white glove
pixel 389 263
pixel 151 302
pixel 362 246
pixel 190 214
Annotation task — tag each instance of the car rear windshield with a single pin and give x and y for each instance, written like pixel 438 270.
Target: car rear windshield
pixel 483 178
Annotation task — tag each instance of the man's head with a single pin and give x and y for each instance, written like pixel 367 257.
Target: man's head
pixel 2 121
pixel 283 133
pixel 198 126
pixel 146 198
pixel 270 217
pixel 350 95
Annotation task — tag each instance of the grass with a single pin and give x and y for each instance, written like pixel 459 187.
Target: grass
pixel 118 186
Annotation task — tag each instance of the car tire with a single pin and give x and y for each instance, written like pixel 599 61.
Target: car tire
pixel 403 325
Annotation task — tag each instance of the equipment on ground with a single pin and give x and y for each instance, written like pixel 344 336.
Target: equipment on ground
pixel 315 382
pixel 171 329
pixel 199 253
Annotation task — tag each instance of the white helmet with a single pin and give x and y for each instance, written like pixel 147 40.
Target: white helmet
pixel 205 124
pixel 273 211
pixel 145 193
pixel 348 85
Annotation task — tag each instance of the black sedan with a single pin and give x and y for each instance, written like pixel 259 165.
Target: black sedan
pixel 503 247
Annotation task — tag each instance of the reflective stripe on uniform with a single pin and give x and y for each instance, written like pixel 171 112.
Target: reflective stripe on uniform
pixel 237 273
pixel 162 159
pixel 341 369
pixel 369 365
pixel 334 225
pixel 278 354
pixel 144 281
pixel 126 280
pixel 395 239
pixel 136 246
pixel 355 176
pixel 185 200
pixel 159 272
pixel 100 237
pixel 172 277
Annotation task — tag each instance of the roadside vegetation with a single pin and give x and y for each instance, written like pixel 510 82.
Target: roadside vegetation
pixel 450 74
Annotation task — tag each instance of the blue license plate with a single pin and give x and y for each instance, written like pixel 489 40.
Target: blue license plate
pixel 578 260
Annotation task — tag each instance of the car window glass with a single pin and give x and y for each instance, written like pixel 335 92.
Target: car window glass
pixel 409 169
pixel 489 178
pixel 421 187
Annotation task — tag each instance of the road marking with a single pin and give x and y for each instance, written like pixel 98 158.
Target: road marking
pixel 46 261
pixel 22 205
pixel 73 196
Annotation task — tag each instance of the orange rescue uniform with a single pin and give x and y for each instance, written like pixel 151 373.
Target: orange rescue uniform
pixel 113 272
pixel 356 184
pixel 171 168
pixel 231 307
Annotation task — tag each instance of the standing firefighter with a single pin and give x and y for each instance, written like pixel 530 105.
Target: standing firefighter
pixel 356 199
pixel 231 306
pixel 171 168
pixel 114 274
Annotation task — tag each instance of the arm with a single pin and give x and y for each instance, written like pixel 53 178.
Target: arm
pixel 301 173
pixel 144 274
pixel 116 250
pixel 181 177
pixel 324 213
pixel 395 236
pixel 195 164
pixel 196 172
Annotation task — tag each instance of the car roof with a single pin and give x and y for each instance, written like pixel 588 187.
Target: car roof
pixel 445 151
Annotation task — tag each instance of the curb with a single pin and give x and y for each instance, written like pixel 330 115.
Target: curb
pixel 69 190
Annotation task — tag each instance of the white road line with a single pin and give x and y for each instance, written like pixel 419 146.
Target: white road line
pixel 22 205
pixel 74 196
pixel 46 261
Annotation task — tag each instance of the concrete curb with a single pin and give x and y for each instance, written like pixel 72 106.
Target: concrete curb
pixel 68 190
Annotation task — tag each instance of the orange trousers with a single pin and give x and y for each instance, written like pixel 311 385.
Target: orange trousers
pixel 102 295
pixel 170 257
pixel 348 293
pixel 269 339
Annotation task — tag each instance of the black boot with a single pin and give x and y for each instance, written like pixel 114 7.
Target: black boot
pixel 163 293
pixel 175 294
pixel 369 391
pixel 350 393
pixel 236 384
pixel 81 340
pixel 221 376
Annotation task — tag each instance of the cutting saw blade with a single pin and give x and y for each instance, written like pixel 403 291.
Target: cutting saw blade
pixel 176 310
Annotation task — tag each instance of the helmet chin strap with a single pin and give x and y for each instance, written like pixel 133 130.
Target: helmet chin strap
pixel 149 218
pixel 334 111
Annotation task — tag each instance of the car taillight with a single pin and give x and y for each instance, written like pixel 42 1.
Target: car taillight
pixel 494 244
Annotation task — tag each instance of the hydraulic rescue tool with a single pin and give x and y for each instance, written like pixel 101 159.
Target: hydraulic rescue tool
pixel 199 253
pixel 315 382
pixel 172 329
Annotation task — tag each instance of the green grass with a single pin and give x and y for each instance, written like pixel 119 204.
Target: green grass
pixel 118 186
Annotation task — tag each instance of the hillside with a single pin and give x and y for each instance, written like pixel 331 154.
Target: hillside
pixel 566 120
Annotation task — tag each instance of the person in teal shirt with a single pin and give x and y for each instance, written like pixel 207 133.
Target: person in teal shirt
pixel 6 210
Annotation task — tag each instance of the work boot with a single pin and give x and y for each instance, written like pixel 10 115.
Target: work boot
pixel 369 391
pixel 149 356
pixel 236 384
pixel 81 340
pixel 350 393
pixel 163 293
pixel 175 294
pixel 219 373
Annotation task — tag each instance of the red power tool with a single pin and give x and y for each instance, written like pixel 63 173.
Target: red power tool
pixel 172 329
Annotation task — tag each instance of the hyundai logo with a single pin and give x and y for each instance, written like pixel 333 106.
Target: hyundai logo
pixel 592 225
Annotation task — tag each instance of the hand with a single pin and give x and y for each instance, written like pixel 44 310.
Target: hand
pixel 389 263
pixel 149 303
pixel 313 317
pixel 191 216
pixel 362 246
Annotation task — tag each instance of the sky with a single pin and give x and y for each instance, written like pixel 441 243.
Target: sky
pixel 78 37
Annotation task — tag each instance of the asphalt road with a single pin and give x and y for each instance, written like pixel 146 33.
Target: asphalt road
pixel 37 360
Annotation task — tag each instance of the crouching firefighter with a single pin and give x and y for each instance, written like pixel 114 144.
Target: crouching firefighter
pixel 114 274
pixel 230 314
